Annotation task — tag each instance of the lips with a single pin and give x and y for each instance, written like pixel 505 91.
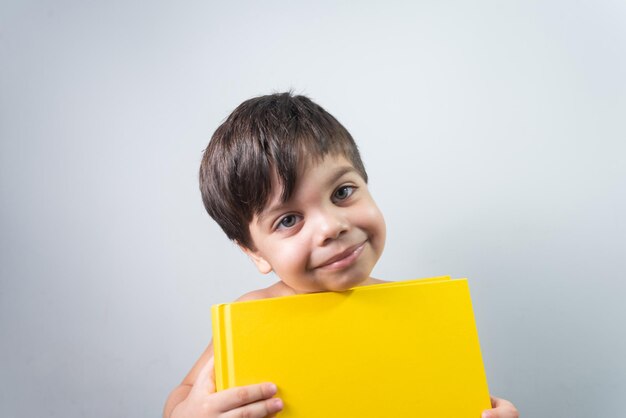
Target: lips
pixel 344 258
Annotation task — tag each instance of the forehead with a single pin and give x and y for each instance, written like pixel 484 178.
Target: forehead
pixel 315 174
pixel 307 167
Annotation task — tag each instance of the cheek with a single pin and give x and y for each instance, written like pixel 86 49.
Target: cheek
pixel 373 221
pixel 372 217
pixel 290 256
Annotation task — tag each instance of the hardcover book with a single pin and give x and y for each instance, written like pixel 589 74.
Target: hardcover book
pixel 396 349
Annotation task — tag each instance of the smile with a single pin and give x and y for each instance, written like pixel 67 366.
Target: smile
pixel 343 259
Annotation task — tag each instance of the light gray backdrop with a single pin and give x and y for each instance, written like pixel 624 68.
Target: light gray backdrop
pixel 493 133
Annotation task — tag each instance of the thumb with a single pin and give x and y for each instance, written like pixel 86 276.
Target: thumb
pixel 205 382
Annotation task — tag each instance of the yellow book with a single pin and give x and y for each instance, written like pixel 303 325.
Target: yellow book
pixel 393 350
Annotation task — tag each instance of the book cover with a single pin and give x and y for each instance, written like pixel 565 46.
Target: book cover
pixel 397 349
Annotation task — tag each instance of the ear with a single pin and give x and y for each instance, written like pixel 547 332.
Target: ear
pixel 261 263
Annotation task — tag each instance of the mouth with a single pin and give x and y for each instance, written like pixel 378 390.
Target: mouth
pixel 344 258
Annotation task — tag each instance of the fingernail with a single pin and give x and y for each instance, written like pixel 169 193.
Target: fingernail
pixel 272 387
pixel 485 414
pixel 278 404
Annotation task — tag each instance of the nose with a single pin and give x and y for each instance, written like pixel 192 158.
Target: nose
pixel 331 225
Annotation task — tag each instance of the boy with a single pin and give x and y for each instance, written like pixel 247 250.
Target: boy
pixel 285 181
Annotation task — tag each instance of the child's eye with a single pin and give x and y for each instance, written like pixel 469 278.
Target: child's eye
pixel 287 221
pixel 343 193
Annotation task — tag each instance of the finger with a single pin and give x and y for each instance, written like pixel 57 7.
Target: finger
pixel 497 402
pixel 260 409
pixel 205 381
pixel 239 396
pixel 501 409
pixel 500 403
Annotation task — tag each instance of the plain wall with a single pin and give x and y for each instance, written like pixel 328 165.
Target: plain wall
pixel 493 133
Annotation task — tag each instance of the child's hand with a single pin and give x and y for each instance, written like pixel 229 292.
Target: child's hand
pixel 253 401
pixel 501 409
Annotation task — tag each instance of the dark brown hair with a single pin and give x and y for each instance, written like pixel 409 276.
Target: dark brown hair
pixel 278 133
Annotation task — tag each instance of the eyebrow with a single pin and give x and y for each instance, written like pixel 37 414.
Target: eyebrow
pixel 340 172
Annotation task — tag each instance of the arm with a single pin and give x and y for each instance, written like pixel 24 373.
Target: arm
pixel 501 408
pixel 196 395
pixel 199 398
pixel 180 393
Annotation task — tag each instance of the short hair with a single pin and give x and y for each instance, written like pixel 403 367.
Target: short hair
pixel 278 133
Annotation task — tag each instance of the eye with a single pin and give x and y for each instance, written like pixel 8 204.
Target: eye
pixel 343 193
pixel 288 221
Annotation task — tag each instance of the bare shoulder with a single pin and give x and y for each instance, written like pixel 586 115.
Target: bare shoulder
pixel 273 291
pixel 276 290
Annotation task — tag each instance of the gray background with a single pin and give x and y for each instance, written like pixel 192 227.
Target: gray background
pixel 493 133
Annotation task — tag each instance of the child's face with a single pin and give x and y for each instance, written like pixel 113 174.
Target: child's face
pixel 327 236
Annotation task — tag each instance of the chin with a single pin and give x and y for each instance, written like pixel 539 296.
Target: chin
pixel 346 283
